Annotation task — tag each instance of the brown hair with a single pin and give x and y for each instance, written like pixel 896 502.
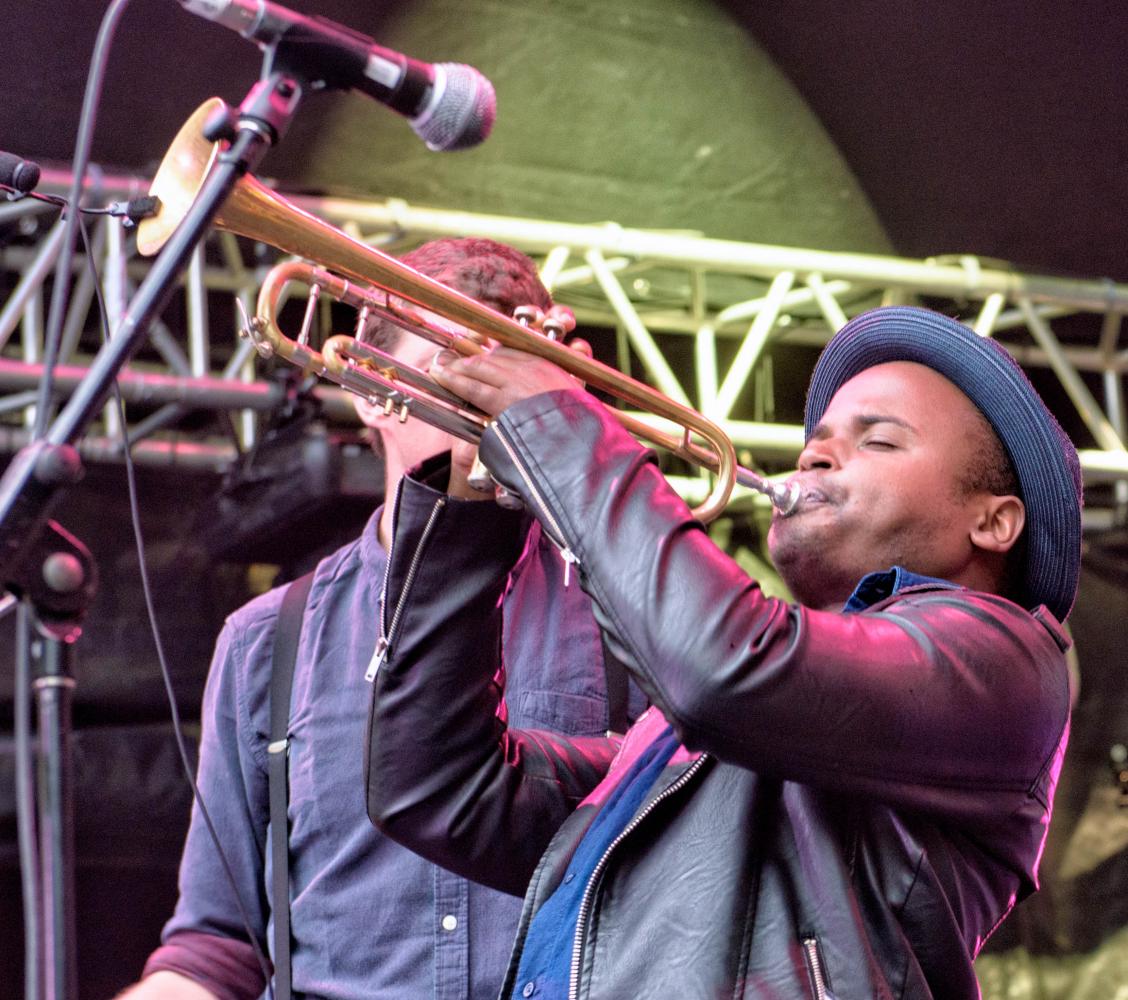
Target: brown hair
pixel 495 274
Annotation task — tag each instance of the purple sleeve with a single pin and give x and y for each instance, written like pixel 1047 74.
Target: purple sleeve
pixel 224 966
pixel 206 939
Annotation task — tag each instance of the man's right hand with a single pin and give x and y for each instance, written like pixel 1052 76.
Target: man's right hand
pixel 166 986
pixel 464 454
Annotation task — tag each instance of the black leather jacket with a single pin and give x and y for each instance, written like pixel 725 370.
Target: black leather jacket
pixel 858 801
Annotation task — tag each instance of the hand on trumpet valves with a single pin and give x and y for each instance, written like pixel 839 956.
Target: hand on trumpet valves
pixel 496 379
pixel 492 381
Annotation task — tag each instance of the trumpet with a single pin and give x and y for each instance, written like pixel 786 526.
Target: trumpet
pixel 374 283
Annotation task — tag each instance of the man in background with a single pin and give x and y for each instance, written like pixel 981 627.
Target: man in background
pixel 368 918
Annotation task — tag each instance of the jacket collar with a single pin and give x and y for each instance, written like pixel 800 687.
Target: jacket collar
pixel 876 587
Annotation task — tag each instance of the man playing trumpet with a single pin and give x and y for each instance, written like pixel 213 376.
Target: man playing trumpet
pixel 840 797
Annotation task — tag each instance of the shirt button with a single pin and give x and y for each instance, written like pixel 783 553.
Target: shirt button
pixel 450 922
pixel 529 990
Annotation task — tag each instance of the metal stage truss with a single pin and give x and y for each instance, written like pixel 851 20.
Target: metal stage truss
pixel 720 306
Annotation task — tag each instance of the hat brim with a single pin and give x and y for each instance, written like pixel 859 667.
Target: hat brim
pixel 1044 460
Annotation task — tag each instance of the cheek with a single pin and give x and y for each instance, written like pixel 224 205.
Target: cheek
pixel 915 521
pixel 924 497
pixel 416 351
pixel 893 495
pixel 419 440
pixel 774 533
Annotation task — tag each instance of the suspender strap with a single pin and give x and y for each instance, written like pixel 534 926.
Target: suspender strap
pixel 618 690
pixel 284 657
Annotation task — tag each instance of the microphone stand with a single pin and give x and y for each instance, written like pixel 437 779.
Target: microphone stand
pixel 38 474
pixel 62 578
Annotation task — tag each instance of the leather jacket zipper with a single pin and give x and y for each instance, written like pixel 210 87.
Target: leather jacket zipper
pixel 589 890
pixel 814 964
pixel 388 631
pixel 552 526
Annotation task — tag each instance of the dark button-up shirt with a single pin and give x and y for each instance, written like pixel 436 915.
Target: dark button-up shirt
pixel 369 918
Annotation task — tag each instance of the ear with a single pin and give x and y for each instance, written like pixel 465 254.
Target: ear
pixel 999 523
pixel 370 415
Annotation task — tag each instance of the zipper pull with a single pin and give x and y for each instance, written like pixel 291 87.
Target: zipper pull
pixel 570 558
pixel 379 655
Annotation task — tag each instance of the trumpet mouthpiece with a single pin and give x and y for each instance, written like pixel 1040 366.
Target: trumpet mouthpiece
pixel 785 497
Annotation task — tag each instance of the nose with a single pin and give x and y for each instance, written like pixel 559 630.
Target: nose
pixel 819 453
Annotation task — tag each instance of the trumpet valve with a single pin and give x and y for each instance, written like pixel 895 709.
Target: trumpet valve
pixel 559 322
pixel 529 316
pixel 552 330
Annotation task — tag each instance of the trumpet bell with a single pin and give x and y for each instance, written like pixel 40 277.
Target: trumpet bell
pixel 178 179
pixel 251 210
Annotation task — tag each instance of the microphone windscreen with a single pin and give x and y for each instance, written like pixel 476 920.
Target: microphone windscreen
pixel 18 173
pixel 460 111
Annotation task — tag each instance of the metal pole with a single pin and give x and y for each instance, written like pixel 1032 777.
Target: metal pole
pixel 31 282
pixel 54 692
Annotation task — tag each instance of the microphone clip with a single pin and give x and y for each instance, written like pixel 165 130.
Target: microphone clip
pixel 133 211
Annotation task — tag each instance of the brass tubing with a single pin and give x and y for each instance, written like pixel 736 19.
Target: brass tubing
pixel 362 273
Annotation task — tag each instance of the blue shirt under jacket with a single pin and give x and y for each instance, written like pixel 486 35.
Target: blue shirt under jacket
pixel 546 957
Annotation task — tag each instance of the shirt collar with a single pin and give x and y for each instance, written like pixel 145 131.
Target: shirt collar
pixel 371 551
pixel 875 587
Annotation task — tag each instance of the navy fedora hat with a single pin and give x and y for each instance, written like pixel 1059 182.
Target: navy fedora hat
pixel 1044 459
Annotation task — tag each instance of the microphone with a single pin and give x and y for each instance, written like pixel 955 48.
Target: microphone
pixel 19 174
pixel 450 106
